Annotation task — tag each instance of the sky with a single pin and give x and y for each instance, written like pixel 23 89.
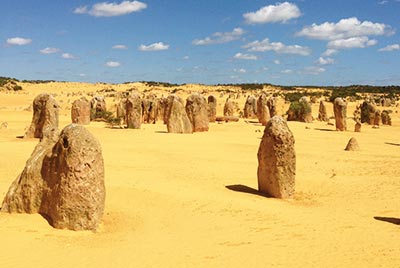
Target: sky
pixel 303 42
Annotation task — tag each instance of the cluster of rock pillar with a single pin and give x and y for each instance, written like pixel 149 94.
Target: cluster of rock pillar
pixel 63 179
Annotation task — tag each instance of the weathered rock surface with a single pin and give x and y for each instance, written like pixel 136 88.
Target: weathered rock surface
pixel 300 111
pixel 26 192
pixel 386 119
pixel 97 107
pixel 133 107
pixel 197 111
pixel 74 192
pixel 277 160
pixel 80 111
pixel 45 117
pixel 352 145
pixel 212 108
pixel 250 107
pixel 340 111
pixel 177 119
pixel 322 114
pixel 357 127
pixel 229 107
pixel 149 109
pixel 368 110
pixel 263 109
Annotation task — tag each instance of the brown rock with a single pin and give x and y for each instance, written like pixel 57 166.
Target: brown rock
pixel 212 108
pixel 340 111
pixel 121 110
pixel 227 119
pixel 386 119
pixel 229 107
pixel 97 107
pixel 133 107
pixel 377 118
pixel 277 160
pixel 80 111
pixel 149 109
pixel 177 119
pixel 26 192
pixel 322 114
pixel 352 145
pixel 368 110
pixel 357 127
pixel 272 103
pixel 161 107
pixel 196 109
pixel 45 117
pixel 306 115
pixel 74 192
pixel 263 109
pixel 250 107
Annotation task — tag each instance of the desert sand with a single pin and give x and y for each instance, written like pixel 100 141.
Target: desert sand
pixel 175 200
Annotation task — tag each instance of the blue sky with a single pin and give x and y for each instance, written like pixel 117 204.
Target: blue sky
pixel 304 42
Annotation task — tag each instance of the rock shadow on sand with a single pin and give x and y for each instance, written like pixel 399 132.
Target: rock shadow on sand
pixel 395 221
pixel 245 189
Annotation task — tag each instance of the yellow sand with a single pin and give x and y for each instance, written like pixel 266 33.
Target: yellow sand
pixel 190 200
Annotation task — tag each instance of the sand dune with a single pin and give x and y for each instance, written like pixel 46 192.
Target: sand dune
pixel 191 200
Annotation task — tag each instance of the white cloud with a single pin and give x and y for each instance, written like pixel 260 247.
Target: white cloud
pixel 220 38
pixel 390 48
pixel 325 61
pixel 82 75
pixel 186 57
pixel 241 56
pixel 287 71
pixel 352 42
pixel 329 52
pixel 68 56
pixel 120 47
pixel 343 29
pixel 154 47
pixel 383 2
pixel 49 50
pixel 105 9
pixel 277 62
pixel 278 47
pixel 313 70
pixel 241 70
pixel 19 41
pixel 280 12
pixel 113 64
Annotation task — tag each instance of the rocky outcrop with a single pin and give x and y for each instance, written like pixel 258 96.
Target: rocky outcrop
pixel 340 111
pixel 263 109
pixel 322 114
pixel 277 160
pixel 45 117
pixel 197 111
pixel 97 107
pixel 250 107
pixel 80 111
pixel 133 107
pixel 177 119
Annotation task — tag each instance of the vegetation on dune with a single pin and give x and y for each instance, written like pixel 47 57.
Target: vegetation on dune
pixel 9 83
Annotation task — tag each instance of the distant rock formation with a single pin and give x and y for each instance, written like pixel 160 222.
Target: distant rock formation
pixel 45 117
pixel 212 108
pixel 80 111
pixel 263 109
pixel 97 107
pixel 177 119
pixel 133 107
pixel 322 114
pixel 340 111
pixel 277 160
pixel 250 107
pixel 197 111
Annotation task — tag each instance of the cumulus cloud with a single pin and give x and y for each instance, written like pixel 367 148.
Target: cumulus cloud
pixel 313 70
pixel 287 71
pixel 49 50
pixel 277 62
pixel 241 56
pixel 220 38
pixel 329 52
pixel 278 47
pixel 18 41
pixel 390 48
pixel 113 64
pixel 352 42
pixel 241 70
pixel 186 57
pixel 105 9
pixel 280 12
pixel 343 29
pixel 68 56
pixel 154 47
pixel 325 61
pixel 120 47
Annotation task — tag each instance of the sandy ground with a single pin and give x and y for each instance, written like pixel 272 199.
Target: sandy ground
pixel 191 201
